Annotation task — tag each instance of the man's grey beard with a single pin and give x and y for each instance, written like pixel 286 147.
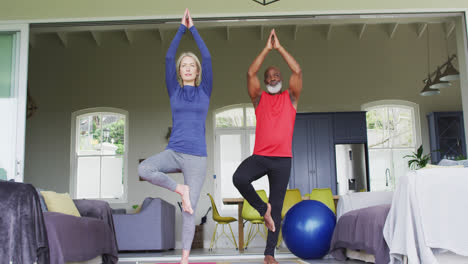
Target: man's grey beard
pixel 274 88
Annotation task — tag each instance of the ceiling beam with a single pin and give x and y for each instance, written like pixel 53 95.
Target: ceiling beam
pixel 160 33
pixel 449 28
pixel 393 29
pixel 421 28
pixel 262 28
pixel 63 38
pixel 129 36
pixel 97 36
pixel 329 31
pixel 362 29
pixel 228 33
pixel 241 21
pixel 295 29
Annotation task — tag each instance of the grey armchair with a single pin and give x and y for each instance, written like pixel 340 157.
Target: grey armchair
pixel 153 228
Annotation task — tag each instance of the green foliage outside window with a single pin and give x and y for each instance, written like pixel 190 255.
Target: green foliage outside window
pixel 116 132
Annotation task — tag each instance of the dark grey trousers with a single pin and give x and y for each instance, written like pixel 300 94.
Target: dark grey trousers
pixel 154 169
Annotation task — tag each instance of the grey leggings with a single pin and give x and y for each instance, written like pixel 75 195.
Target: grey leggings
pixel 154 169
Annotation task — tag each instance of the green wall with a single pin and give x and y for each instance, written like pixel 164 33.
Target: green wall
pixel 56 9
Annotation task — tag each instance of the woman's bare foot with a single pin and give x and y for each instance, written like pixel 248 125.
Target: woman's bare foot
pixel 270 224
pixel 184 192
pixel 185 255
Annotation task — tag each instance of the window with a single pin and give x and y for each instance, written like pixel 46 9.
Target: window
pixel 393 132
pixel 99 154
pixel 234 142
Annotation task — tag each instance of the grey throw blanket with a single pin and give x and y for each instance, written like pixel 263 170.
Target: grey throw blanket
pixel 74 238
pixel 362 229
pixel 23 236
pixel 101 210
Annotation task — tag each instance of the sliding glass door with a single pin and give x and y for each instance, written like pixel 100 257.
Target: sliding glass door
pixel 13 82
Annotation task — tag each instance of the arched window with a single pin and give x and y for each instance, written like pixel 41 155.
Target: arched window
pixel 393 131
pixel 99 154
pixel 234 142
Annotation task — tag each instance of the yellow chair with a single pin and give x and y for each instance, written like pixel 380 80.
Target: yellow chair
pixel 292 197
pixel 251 214
pixel 325 196
pixel 220 220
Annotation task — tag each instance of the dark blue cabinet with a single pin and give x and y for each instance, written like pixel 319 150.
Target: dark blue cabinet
pixel 447 135
pixel 315 136
pixel 313 163
pixel 350 127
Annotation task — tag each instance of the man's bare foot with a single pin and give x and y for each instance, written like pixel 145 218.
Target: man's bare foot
pixel 270 224
pixel 184 192
pixel 270 260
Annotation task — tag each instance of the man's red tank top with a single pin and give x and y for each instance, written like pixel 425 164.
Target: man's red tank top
pixel 275 125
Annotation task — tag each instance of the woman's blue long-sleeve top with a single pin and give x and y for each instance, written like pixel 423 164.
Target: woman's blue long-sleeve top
pixel 189 104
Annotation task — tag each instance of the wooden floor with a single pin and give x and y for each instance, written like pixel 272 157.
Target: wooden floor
pixel 250 256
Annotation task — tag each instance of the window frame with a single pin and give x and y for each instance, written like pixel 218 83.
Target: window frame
pixel 413 107
pixel 402 104
pixel 73 156
pixel 244 131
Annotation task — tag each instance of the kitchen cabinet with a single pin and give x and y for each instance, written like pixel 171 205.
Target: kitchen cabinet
pixel 350 127
pixel 447 135
pixel 313 164
pixel 313 146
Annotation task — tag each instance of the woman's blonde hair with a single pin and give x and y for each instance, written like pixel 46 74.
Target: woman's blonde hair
pixel 197 61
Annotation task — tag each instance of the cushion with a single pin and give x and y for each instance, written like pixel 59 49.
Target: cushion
pixel 447 162
pixel 41 199
pixel 60 203
pixel 463 162
pixel 430 166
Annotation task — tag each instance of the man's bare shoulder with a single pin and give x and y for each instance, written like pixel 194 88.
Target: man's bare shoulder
pixel 256 100
pixel 292 98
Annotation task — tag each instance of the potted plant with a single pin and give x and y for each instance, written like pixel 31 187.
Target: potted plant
pixel 417 159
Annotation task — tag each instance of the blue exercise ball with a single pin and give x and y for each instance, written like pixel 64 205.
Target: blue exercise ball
pixel 308 228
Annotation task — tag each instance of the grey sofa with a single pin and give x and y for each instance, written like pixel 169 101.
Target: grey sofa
pixel 76 239
pixel 31 234
pixel 153 228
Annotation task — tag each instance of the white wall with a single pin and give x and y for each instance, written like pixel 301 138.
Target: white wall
pixel 340 74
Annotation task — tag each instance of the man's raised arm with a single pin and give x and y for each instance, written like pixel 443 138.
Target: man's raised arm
pixel 253 83
pixel 295 82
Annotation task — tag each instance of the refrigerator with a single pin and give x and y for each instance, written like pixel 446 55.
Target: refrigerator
pixel 351 168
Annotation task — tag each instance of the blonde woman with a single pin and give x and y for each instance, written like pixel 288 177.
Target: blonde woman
pixel 189 93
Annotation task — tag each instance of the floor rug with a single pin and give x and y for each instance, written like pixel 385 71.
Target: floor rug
pixel 192 263
pixel 238 262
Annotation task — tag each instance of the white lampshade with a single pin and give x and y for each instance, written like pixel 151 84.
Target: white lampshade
pixel 427 91
pixel 450 73
pixel 437 84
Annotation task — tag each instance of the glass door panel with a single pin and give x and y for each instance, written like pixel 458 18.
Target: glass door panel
pixel 13 79
pixel 231 157
pixel 6 63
